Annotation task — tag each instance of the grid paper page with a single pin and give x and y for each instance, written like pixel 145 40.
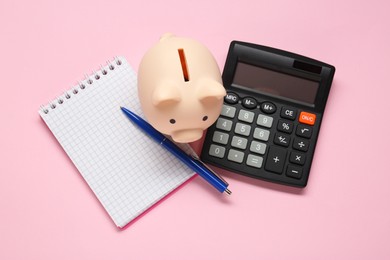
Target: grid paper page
pixel 127 170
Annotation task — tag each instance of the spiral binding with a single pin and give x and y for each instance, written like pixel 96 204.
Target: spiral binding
pixel 81 85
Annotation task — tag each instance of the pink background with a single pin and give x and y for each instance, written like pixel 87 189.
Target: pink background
pixel 47 210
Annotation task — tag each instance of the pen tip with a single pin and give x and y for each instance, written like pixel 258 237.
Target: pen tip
pixel 228 192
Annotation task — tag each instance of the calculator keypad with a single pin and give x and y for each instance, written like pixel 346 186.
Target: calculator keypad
pixel 262 139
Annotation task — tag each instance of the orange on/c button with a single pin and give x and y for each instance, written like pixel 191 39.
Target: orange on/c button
pixel 307 118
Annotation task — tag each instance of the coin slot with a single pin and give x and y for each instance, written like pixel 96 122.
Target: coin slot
pixel 183 62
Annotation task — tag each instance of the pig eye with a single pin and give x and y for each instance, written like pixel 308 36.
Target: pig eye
pixel 205 118
pixel 172 121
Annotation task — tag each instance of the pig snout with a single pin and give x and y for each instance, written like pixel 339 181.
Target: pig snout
pixel 187 135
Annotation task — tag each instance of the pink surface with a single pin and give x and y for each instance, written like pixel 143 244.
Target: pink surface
pixel 48 211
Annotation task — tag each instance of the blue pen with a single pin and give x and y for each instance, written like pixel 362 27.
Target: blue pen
pixel 191 161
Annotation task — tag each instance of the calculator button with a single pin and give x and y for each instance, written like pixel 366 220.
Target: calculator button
pixel 301 144
pixel 294 172
pixel 285 126
pixel 224 124
pixel 297 158
pixel 235 156
pixel 257 147
pixel 249 102
pixel 231 98
pixel 265 121
pixel 261 134
pixel 254 161
pixel 268 107
pixel 275 160
pixel 246 116
pixel 307 118
pixel 304 131
pixel 220 137
pixel 282 139
pixel 239 142
pixel 217 151
pixel 288 113
pixel 242 129
pixel 228 111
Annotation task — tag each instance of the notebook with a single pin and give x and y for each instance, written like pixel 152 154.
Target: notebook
pixel 127 171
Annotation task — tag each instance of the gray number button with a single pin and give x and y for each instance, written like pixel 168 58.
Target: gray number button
pixel 224 124
pixel 220 137
pixel 261 134
pixel 239 142
pixel 246 116
pixel 258 147
pixel 235 156
pixel 242 129
pixel 265 121
pixel 228 111
pixel 217 151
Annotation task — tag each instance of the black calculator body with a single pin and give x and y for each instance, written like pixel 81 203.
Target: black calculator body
pixel 272 113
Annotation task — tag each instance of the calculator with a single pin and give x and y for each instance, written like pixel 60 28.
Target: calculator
pixel 271 116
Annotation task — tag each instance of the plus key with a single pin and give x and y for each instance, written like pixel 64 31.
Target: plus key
pixel 275 160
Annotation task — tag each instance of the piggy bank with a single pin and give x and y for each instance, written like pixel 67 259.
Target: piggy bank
pixel 180 88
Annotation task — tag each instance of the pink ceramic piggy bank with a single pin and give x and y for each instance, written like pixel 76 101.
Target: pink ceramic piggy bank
pixel 180 88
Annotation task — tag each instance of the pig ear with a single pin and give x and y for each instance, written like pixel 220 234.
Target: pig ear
pixel 166 36
pixel 165 95
pixel 209 91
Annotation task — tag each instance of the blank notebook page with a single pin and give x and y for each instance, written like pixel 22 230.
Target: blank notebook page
pixel 127 170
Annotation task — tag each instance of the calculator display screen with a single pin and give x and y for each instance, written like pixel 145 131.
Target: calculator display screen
pixel 275 83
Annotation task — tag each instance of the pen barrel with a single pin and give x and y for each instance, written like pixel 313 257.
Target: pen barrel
pixel 196 166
